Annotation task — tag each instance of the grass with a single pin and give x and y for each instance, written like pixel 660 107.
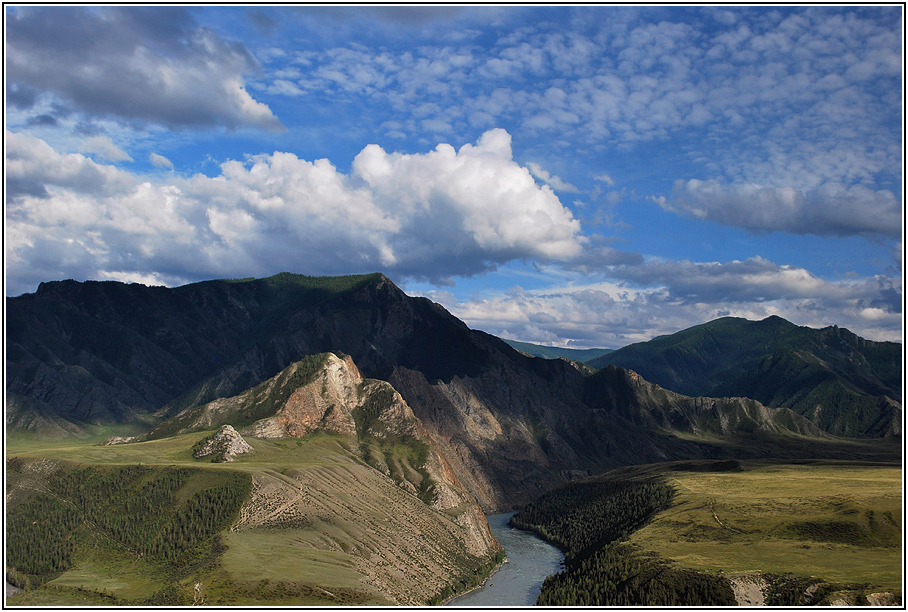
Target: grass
pixel 285 556
pixel 350 532
pixel 838 521
pixel 318 449
pixel 101 569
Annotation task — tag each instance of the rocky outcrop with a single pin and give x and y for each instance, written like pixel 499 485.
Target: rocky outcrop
pixel 883 599
pixel 749 589
pixel 112 440
pixel 223 446
pixel 326 403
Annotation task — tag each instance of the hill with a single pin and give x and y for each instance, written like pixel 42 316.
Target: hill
pixel 845 384
pixel 296 523
pixel 557 352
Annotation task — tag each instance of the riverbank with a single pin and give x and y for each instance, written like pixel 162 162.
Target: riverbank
pixel 477 587
pixel 518 581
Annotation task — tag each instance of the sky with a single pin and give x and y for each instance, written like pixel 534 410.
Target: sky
pixel 585 176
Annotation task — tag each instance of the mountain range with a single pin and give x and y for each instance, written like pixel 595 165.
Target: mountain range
pixel 504 426
pixel 846 385
pixel 557 352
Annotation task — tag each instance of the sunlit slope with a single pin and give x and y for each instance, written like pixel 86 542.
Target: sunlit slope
pixel 707 533
pixel 317 527
pixel 837 521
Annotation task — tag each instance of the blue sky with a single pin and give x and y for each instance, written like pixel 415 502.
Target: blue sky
pixel 577 176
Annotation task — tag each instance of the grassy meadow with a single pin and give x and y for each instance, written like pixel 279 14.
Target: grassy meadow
pixel 838 521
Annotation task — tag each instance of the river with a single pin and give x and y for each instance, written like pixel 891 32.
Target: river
pixel 519 581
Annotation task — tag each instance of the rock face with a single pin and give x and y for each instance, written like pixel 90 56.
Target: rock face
pixel 749 589
pixel 846 385
pixel 112 440
pixel 222 447
pixel 326 403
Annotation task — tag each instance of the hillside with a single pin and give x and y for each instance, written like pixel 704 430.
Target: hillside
pixel 846 385
pixel 308 523
pixel 341 498
pixel 705 533
pixel 326 393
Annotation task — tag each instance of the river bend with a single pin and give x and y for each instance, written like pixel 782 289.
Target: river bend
pixel 519 580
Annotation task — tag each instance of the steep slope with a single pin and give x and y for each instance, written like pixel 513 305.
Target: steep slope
pixel 624 392
pixel 306 522
pixel 327 393
pixel 845 384
pixel 99 352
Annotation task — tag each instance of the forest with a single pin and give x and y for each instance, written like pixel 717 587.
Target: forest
pixel 169 516
pixel 588 520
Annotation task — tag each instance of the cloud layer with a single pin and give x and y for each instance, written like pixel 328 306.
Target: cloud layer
pixel 424 216
pixel 830 210
pixel 139 64
pixel 799 108
pixel 658 297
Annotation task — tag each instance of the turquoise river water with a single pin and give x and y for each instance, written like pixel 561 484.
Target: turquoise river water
pixel 519 581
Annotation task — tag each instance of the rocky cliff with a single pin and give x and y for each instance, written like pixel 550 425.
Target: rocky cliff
pixel 223 446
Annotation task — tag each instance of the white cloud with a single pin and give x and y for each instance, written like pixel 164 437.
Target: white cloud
pixel 642 301
pixel 159 161
pixel 554 181
pixel 780 102
pixel 285 88
pixel 829 210
pixel 151 65
pixel 429 216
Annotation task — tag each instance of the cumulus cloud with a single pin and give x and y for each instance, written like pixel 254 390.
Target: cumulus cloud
pixel 427 216
pixel 152 64
pixel 645 300
pixel 829 210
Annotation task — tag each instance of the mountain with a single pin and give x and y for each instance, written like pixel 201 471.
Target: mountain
pixel 342 478
pixel 327 393
pixel 556 352
pixel 845 384
pixel 510 426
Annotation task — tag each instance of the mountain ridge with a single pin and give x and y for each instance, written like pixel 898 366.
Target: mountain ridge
pixel 846 384
pixel 557 352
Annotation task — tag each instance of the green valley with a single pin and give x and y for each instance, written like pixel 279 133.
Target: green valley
pixel 726 533
pixel 315 441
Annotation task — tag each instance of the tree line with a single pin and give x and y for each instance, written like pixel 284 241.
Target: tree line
pixel 136 508
pixel 588 520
